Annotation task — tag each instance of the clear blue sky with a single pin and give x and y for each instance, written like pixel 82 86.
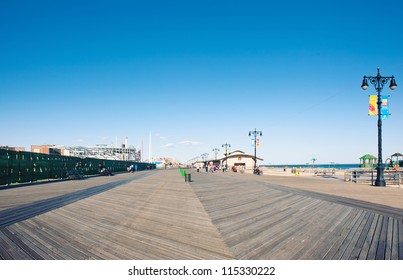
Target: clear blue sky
pixel 198 74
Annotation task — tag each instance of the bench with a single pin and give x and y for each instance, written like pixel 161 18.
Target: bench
pixel 325 172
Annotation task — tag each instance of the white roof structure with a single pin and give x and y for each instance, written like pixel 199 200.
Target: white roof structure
pixel 239 153
pixel 102 152
pixel 234 158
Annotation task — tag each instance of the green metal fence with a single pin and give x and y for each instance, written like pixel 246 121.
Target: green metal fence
pixel 20 167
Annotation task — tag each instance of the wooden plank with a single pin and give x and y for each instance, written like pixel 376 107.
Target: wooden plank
pixel 28 238
pixel 329 235
pixel 350 232
pixel 256 245
pixel 62 241
pixel 356 234
pixel 380 252
pixel 270 217
pixel 10 250
pixel 389 239
pixel 341 234
pixel 244 212
pixel 15 238
pixel 368 239
pixel 278 246
pixel 395 240
pixel 375 239
pixel 246 239
pixel 363 235
pixel 316 225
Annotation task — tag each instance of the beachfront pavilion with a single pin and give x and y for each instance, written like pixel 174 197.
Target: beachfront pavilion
pixel 368 161
pixel 240 159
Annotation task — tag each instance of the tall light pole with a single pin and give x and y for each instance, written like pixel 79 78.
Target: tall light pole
pixel 216 150
pixel 313 162
pixel 204 156
pixel 255 133
pixel 379 81
pixel 226 146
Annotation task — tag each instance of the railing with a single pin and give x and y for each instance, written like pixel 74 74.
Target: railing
pixel 21 167
pixel 392 177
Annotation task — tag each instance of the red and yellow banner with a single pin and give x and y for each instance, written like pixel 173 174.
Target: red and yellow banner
pixel 373 110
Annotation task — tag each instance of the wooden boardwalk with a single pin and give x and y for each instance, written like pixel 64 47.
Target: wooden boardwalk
pixel 156 215
pixel 128 216
pixel 261 220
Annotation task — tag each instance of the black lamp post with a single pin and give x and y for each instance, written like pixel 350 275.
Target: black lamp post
pixel 379 81
pixel 226 146
pixel 204 156
pixel 255 133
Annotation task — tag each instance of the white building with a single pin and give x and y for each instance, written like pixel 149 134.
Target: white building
pixel 240 159
pixel 235 158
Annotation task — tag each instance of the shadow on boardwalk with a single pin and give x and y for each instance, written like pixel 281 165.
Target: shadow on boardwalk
pixel 156 215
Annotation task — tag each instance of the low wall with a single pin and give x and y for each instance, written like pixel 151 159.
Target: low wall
pixel 20 167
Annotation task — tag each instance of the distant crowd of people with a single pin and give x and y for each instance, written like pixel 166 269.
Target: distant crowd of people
pixel 224 168
pixel 105 172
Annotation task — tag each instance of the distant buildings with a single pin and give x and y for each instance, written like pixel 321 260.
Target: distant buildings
pixel 99 152
pixel 47 149
pixel 18 149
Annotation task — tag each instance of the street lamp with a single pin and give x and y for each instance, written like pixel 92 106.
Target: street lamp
pixel 255 133
pixel 216 150
pixel 226 146
pixel 379 81
pixel 313 162
pixel 204 156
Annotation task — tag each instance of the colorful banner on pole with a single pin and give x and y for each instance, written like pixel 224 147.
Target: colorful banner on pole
pixel 373 109
pixel 257 142
pixel 385 107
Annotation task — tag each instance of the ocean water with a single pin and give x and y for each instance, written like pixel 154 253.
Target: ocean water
pixel 329 165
